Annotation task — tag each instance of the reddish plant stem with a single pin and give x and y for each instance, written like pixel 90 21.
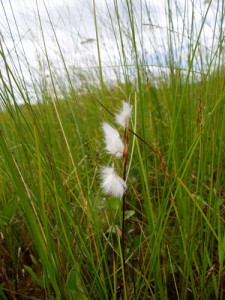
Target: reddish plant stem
pixel 125 158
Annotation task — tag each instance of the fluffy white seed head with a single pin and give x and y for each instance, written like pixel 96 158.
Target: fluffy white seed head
pixel 112 184
pixel 122 118
pixel 113 142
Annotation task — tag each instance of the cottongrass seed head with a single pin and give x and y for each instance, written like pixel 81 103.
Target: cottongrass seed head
pixel 113 142
pixel 122 118
pixel 112 184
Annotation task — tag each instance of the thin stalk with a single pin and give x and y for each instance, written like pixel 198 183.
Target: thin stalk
pixel 98 49
pixel 125 158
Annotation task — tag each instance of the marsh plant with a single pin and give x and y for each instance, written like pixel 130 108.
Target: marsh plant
pixel 112 184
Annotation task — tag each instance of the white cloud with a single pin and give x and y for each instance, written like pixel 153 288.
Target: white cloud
pixel 73 24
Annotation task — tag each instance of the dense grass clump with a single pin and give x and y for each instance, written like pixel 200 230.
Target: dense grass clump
pixel 60 236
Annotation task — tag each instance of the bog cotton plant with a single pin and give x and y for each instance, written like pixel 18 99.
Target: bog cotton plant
pixel 122 118
pixel 112 184
pixel 113 142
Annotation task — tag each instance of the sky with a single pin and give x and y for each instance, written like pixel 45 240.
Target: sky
pixel 66 31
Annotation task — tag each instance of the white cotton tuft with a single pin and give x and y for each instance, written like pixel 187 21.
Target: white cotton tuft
pixel 123 116
pixel 113 142
pixel 112 184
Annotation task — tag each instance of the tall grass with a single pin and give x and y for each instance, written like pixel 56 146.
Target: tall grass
pixel 60 237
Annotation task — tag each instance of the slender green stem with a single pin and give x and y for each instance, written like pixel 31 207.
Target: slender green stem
pixel 125 158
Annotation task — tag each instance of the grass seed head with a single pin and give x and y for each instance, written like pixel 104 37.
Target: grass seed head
pixel 113 142
pixel 122 118
pixel 112 184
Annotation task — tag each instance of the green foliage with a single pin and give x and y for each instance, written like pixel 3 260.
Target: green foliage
pixel 60 237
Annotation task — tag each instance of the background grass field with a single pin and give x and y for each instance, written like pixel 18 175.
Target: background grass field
pixel 60 237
